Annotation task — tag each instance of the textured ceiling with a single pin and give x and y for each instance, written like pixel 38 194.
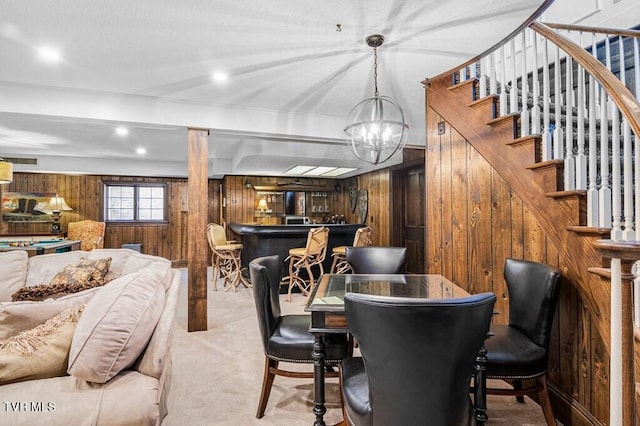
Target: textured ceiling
pixel 293 77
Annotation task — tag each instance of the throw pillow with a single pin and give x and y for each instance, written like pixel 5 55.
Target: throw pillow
pixel 14 272
pixel 19 316
pixel 116 326
pixel 58 288
pixel 41 352
pixel 78 273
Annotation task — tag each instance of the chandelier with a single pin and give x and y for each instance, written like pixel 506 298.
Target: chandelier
pixel 375 127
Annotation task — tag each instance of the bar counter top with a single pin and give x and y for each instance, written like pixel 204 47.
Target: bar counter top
pixel 266 240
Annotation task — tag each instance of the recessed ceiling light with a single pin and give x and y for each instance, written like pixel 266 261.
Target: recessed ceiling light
pixel 122 131
pixel 298 170
pixel 339 171
pixel 219 76
pixel 319 171
pixel 49 54
pixel 141 151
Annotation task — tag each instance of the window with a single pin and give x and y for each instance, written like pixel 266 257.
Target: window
pixel 134 202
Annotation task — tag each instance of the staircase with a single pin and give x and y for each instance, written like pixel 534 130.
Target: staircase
pixel 524 162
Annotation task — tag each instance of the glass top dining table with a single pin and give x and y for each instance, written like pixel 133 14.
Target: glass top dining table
pixel 326 305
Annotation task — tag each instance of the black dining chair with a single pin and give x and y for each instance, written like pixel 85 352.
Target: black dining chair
pixel 518 352
pixel 376 259
pixel 418 357
pixel 285 338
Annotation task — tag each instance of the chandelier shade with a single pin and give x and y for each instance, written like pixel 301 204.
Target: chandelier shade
pixel 375 128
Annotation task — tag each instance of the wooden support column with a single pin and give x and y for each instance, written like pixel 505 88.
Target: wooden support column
pixel 198 248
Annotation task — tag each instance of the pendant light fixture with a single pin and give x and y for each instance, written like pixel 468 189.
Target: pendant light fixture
pixel 375 127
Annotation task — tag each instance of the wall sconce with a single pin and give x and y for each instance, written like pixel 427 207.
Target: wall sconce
pixel 247 184
pixel 56 206
pixel 6 171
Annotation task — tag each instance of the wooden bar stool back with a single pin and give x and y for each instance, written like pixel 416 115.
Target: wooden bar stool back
pixel 313 254
pixel 225 258
pixel 340 264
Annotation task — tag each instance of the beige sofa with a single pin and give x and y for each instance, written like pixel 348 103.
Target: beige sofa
pixel 135 395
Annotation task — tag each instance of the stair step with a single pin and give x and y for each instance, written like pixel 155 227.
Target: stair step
pixel 507 120
pixel 530 146
pixel 606 273
pixel 552 173
pixel 591 231
pixel 467 85
pixel 574 203
pixel 491 103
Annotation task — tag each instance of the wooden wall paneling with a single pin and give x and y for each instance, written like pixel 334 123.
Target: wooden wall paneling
pixel 459 217
pixel 479 216
pixel 501 242
pixel 534 239
pixel 517 227
pixel 584 353
pixel 553 259
pixel 437 240
pixel 568 309
pixel 599 375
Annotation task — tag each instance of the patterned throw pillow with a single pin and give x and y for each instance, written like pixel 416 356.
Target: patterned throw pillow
pixel 71 279
pixel 40 352
pixel 83 271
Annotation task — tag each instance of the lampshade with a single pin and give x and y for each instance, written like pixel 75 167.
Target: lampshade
pixel 262 204
pixel 56 204
pixel 6 171
pixel 375 127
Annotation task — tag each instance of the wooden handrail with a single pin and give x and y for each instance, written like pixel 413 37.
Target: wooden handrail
pixel 621 96
pixel 596 30
pixel 513 33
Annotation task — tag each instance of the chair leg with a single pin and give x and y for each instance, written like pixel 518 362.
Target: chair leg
pixel 543 397
pixel 517 385
pixel 334 263
pixel 267 381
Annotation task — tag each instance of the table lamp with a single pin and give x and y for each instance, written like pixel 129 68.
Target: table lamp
pixel 56 206
pixel 263 207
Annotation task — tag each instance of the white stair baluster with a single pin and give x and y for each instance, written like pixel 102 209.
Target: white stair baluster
pixel 513 90
pixel 616 185
pixel 493 80
pixel 592 193
pixel 558 137
pixel 581 159
pixel 569 162
pixel 604 193
pixel 503 83
pixel 524 99
pixel 547 142
pixel 535 87
pixel 482 86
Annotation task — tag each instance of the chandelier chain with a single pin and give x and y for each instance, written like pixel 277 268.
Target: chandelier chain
pixel 375 71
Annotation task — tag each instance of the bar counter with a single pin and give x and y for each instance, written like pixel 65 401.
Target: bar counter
pixel 266 240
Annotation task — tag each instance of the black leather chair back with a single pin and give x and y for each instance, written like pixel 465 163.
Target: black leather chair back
pixel 533 296
pixel 265 278
pixel 419 354
pixel 376 259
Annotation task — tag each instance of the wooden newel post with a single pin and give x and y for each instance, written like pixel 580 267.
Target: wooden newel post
pixel 198 248
pixel 623 255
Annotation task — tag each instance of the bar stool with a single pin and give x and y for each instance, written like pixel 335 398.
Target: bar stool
pixel 225 258
pixel 340 264
pixel 306 257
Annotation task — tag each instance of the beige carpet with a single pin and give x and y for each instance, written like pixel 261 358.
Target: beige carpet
pixel 217 374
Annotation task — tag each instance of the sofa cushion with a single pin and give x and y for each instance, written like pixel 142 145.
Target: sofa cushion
pixel 14 272
pixel 19 316
pixel 40 352
pixel 116 326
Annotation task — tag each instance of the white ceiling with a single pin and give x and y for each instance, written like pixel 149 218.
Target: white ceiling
pixel 293 77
